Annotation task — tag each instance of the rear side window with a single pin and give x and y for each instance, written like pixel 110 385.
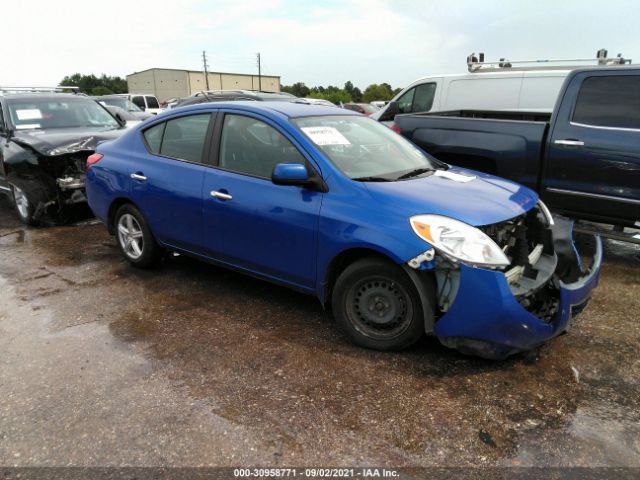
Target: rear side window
pixel 609 102
pixel 139 101
pixel 181 138
pixel 153 136
pixel 152 102
pixel 252 147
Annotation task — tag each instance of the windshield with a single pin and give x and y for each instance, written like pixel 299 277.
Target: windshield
pixel 364 149
pixel 43 113
pixel 122 102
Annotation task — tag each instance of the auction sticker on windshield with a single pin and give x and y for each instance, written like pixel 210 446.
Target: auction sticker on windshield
pixel 325 136
pixel 29 114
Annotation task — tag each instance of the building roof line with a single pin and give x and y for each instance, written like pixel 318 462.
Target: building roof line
pixel 200 71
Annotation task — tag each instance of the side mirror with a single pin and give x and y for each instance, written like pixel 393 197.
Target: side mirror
pixel 390 112
pixel 121 120
pixel 290 174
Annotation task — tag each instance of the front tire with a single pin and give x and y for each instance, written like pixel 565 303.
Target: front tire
pixel 134 238
pixel 377 305
pixel 24 205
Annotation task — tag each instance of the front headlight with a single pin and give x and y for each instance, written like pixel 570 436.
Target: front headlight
pixel 458 240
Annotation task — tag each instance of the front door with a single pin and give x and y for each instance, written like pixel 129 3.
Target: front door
pixel 594 153
pixel 251 223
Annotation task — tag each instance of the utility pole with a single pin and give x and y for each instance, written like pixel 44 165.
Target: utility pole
pixel 259 73
pixel 206 67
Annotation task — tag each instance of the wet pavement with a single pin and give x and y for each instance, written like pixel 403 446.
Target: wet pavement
pixel 192 365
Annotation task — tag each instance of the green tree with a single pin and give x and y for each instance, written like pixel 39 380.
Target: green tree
pixel 374 91
pixel 298 89
pixel 90 84
pixel 354 92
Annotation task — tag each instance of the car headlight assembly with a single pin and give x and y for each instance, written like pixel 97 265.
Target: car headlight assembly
pixel 459 241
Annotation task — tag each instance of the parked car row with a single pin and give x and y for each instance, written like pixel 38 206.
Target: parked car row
pixel 396 242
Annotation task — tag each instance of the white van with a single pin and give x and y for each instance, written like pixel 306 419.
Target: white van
pixel 530 91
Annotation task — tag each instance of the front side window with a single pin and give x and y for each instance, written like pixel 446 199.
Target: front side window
pixel 181 138
pixel 423 98
pixel 252 147
pixel 365 150
pixel 612 101
pixel 406 101
pixel 152 102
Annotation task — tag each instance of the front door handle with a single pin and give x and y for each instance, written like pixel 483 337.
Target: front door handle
pixel 137 176
pixel 221 195
pixel 571 143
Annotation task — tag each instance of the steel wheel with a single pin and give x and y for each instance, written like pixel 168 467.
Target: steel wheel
pixel 379 307
pixel 131 236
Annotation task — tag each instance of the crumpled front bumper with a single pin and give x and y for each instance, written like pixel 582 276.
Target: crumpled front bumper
pixel 486 319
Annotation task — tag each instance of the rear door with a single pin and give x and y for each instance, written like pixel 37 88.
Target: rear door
pixel 250 222
pixel 168 186
pixel 593 162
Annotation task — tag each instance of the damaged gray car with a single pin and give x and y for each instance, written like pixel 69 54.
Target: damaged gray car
pixel 45 140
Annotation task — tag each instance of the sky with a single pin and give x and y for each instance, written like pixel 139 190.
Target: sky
pixel 315 42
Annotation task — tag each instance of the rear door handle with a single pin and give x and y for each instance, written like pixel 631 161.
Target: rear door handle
pixel 571 143
pixel 221 195
pixel 137 176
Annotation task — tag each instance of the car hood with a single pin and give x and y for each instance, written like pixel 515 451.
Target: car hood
pixel 62 141
pixel 483 200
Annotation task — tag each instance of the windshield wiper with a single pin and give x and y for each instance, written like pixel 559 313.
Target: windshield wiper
pixel 414 173
pixel 372 179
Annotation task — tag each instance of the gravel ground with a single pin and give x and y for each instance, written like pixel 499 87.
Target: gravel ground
pixel 193 365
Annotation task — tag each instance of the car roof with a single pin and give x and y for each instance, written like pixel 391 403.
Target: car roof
pixel 47 96
pixel 293 109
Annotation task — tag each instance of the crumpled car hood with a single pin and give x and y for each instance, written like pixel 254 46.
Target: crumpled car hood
pixel 483 200
pixel 64 141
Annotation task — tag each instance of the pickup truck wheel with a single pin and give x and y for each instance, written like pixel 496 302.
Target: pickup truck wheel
pixel 24 206
pixel 377 305
pixel 135 239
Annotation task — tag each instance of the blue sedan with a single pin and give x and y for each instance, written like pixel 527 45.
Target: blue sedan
pixel 333 204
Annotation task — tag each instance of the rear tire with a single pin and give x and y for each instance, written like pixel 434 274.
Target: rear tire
pixel 377 305
pixel 134 238
pixel 24 206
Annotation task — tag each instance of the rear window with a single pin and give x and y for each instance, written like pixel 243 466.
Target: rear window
pixel 609 102
pixel 152 102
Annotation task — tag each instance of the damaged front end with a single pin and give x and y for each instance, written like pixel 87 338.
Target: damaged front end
pixel 51 183
pixel 494 312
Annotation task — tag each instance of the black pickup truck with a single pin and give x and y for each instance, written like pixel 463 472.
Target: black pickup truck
pixel 583 159
pixel 45 139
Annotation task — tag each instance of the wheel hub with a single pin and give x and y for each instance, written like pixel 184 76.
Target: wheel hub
pixel 130 236
pixel 380 305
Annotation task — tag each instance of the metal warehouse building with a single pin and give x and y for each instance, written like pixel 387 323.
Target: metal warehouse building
pixel 166 83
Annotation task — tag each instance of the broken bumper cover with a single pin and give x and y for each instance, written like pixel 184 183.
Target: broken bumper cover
pixel 487 320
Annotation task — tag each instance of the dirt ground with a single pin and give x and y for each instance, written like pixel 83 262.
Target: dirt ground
pixel 192 365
